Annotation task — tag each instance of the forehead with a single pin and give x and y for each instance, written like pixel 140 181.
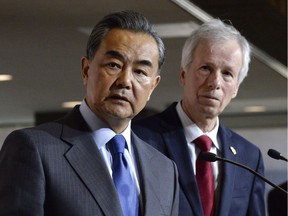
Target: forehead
pixel 212 47
pixel 228 51
pixel 131 44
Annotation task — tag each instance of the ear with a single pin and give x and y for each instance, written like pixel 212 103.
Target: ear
pixel 235 92
pixel 85 68
pixel 182 75
pixel 156 81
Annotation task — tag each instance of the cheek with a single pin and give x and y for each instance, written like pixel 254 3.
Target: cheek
pixel 97 80
pixel 91 83
pixel 229 95
pixel 191 85
pixel 96 86
pixel 231 90
pixel 143 92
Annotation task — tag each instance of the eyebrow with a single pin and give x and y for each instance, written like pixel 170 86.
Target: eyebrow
pixel 118 55
pixel 115 54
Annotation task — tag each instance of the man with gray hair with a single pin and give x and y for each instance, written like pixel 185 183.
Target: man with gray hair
pixel 215 60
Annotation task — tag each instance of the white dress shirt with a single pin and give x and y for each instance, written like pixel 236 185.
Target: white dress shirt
pixel 102 134
pixel 192 131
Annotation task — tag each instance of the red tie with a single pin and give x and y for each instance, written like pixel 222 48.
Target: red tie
pixel 204 176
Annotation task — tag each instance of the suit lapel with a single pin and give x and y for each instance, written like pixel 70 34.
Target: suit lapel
pixel 149 184
pixel 86 160
pixel 228 171
pixel 176 144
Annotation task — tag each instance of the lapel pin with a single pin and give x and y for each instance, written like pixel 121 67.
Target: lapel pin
pixel 233 150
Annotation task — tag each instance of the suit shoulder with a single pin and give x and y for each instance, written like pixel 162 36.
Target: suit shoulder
pixel 147 121
pixel 45 128
pixel 243 143
pixel 37 134
pixel 224 131
pixel 165 120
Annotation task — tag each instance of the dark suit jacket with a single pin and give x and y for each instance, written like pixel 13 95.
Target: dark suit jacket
pixel 241 192
pixel 56 169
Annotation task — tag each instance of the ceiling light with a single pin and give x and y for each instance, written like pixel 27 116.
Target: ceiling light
pixel 5 77
pixel 165 30
pixel 255 109
pixel 173 30
pixel 70 104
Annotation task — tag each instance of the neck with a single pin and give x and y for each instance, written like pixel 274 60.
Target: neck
pixel 206 125
pixel 205 122
pixel 117 125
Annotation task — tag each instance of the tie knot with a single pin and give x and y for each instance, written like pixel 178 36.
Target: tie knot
pixel 117 144
pixel 203 142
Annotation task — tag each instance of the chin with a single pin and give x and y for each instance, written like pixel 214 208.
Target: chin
pixel 211 113
pixel 121 114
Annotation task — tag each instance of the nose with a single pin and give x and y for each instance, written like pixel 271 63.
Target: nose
pixel 214 80
pixel 124 79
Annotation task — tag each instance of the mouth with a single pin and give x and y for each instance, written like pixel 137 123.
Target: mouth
pixel 118 98
pixel 210 97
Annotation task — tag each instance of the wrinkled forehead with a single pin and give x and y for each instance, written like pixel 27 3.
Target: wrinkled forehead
pixel 130 46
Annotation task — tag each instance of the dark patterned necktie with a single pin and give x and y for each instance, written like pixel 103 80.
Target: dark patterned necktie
pixel 122 178
pixel 204 176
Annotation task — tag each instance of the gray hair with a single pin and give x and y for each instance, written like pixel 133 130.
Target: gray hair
pixel 127 20
pixel 216 31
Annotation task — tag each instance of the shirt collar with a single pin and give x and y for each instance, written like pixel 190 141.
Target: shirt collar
pixel 192 131
pixel 101 132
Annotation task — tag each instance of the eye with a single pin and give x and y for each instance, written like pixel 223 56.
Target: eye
pixel 228 74
pixel 205 69
pixel 113 65
pixel 140 72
